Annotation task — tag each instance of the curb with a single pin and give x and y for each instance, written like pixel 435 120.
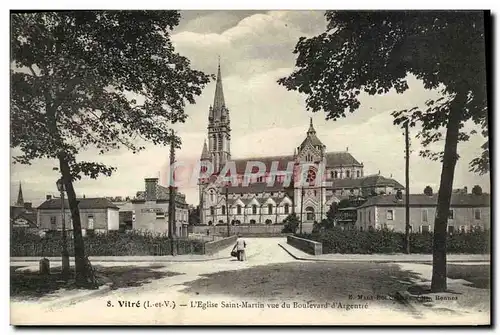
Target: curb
pixel 127 260
pixel 376 261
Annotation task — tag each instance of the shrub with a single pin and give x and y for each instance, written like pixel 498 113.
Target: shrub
pixel 341 241
pixel 291 223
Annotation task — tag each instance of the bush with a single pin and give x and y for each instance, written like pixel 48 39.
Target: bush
pixel 341 241
pixel 132 243
pixel 291 223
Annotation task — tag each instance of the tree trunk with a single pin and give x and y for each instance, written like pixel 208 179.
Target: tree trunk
pixel 81 275
pixel 438 283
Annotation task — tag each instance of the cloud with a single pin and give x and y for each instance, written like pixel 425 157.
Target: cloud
pixel 266 119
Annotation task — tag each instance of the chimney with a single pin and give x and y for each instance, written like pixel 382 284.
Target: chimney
pixel 48 197
pixel 27 205
pixel 151 186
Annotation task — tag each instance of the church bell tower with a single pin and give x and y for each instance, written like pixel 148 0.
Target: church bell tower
pixel 219 131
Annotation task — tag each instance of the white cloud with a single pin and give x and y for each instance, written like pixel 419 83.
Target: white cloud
pixel 266 119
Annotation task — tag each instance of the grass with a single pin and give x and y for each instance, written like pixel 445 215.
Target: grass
pixel 478 275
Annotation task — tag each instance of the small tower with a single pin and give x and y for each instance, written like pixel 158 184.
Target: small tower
pixel 20 199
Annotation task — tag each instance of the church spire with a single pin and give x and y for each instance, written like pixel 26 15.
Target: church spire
pixel 219 102
pixel 20 200
pixel 311 127
pixel 204 154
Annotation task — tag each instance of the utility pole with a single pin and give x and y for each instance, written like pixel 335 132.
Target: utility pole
pixel 171 201
pixel 301 208
pixel 227 210
pixel 407 186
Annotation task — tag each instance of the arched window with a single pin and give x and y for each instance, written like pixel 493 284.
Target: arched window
pixel 287 208
pixel 348 174
pixel 268 221
pixel 331 174
pixel 311 176
pixel 238 209
pixel 223 210
pixel 254 209
pixel 252 221
pixel 336 175
pixel 309 214
pixel 212 210
pixel 209 223
pixel 269 209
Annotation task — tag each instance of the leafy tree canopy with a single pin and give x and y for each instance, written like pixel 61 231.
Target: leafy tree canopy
pixel 374 52
pixel 101 79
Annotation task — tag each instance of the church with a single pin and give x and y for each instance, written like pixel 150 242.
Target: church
pixel 270 197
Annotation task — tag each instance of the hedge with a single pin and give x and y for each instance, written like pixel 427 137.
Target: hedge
pixel 103 244
pixel 387 242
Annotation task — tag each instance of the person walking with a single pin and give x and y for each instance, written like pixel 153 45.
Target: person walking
pixel 240 247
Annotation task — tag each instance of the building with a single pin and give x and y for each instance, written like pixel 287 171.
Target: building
pixel 260 203
pixel 150 209
pixel 467 212
pixel 22 214
pixel 96 215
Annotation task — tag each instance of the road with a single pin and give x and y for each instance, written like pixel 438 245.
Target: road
pixel 215 292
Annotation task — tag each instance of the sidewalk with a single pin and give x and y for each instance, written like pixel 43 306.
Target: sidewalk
pixel 223 254
pixel 380 258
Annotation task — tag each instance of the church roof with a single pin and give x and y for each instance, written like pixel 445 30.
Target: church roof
pixel 20 199
pixel 337 159
pixel 422 200
pixel 311 137
pixel 364 182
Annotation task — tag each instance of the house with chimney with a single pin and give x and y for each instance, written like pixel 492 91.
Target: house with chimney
pixel 97 215
pixel 468 212
pixel 22 215
pixel 150 209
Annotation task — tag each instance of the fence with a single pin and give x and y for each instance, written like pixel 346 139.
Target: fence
pixel 244 230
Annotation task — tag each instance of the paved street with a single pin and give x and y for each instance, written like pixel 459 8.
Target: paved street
pixel 217 291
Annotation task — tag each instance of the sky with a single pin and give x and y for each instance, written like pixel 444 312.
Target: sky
pixel 255 50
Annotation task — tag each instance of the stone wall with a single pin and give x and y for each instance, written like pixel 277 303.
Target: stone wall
pixel 308 246
pixel 215 246
pixel 244 230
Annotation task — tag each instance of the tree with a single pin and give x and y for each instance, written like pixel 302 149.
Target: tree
pixel 428 190
pixel 373 52
pixel 194 215
pixel 95 80
pixel 291 223
pixel 477 190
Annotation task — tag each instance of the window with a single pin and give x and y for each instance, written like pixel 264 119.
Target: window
pixel 451 214
pixel 390 214
pixel 223 210
pixel 451 229
pixel 269 209
pixel 90 222
pixel 309 214
pixel 358 173
pixel 260 179
pixel 424 215
pixel 238 209
pixel 369 216
pixel 160 215
pixel 348 174
pixel 315 193
pixel 53 222
pixel 212 196
pixel 311 176
pixel 268 221
pixel 252 221
pixel 425 228
pixel 212 210
pixel 336 175
pixel 331 174
pixel 360 216
pixel 287 208
pixel 254 209
pixel 360 228
pixel 477 214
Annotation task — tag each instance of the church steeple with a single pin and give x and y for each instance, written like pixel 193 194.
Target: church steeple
pixel 311 130
pixel 219 102
pixel 20 200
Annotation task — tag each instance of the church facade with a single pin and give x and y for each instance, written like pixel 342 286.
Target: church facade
pixel 265 190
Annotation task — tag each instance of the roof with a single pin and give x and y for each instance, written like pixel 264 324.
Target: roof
pixel 84 203
pixel 342 158
pixel 162 193
pixel 204 153
pixel 364 182
pixel 219 102
pixel 422 200
pixel 30 217
pixel 257 188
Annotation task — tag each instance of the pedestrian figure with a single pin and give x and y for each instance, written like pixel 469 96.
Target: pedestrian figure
pixel 240 246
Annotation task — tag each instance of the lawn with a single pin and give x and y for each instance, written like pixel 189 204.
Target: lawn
pixel 478 275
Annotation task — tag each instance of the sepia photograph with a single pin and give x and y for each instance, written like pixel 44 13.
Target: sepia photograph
pixel 250 167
